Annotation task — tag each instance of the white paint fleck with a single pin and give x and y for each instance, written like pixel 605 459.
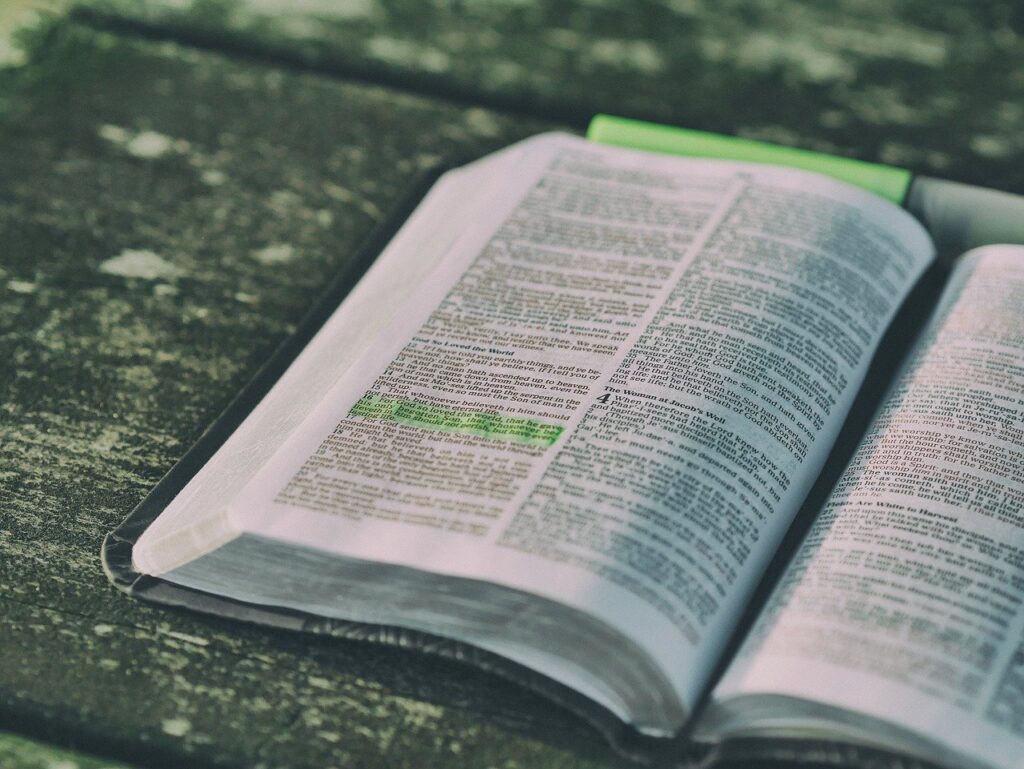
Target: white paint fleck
pixel 62 764
pixel 176 727
pixel 114 134
pixel 638 55
pixel 427 160
pixel 151 145
pixel 884 106
pixel 319 682
pixel 396 51
pixel 282 201
pixel 482 122
pixel 245 298
pixel 817 62
pixel 103 630
pixel 324 218
pixel 139 263
pixel 10 54
pixel 340 193
pixel 503 72
pixel 348 196
pixel 164 289
pixel 106 440
pixel 833 118
pixel 278 253
pixel 899 153
pixel 260 704
pixel 565 39
pixel 298 27
pixel 213 177
pixel 336 9
pixel 109 664
pixel 313 718
pixel 148 145
pixel 190 639
pixel 274 80
pixel 1009 114
pixel 819 47
pixel 686 7
pixel 419 714
pixel 991 146
pixel 21 286
pixel 884 39
pixel 383 738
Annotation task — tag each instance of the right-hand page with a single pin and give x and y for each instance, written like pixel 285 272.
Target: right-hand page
pixel 905 601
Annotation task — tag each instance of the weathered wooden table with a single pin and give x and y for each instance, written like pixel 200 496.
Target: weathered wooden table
pixel 178 179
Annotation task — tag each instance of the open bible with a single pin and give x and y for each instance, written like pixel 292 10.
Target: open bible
pixel 570 412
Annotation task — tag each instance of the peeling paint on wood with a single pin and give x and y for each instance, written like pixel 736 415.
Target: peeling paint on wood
pixel 928 85
pixel 133 310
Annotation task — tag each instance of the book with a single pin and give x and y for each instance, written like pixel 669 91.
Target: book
pixel 562 425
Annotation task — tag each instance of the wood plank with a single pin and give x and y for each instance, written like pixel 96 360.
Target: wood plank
pixel 928 86
pixel 166 216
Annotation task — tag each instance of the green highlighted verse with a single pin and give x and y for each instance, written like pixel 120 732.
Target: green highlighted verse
pixel 480 423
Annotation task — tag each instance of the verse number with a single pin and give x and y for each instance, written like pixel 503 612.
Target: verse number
pixel 604 398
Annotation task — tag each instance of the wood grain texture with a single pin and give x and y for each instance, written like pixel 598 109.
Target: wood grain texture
pixel 935 87
pixel 17 752
pixel 166 216
pixel 168 210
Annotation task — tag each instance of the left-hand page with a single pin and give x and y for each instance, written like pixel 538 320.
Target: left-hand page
pixel 540 414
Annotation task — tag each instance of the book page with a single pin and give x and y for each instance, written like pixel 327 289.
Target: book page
pixel 459 198
pixel 906 601
pixel 615 393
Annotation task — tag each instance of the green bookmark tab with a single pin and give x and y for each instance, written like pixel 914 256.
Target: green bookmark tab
pixel 887 181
